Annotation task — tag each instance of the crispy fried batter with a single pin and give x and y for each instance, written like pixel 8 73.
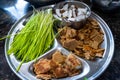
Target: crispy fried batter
pixel 44 76
pixel 58 66
pixel 59 72
pixel 70 44
pixel 58 57
pixel 42 66
pixel 73 62
pixel 76 40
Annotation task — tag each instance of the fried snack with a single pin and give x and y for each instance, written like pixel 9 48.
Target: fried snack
pixel 84 42
pixel 58 66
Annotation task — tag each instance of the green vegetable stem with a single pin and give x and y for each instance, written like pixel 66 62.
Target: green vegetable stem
pixel 34 39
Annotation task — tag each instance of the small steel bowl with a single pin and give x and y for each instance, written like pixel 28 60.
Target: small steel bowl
pixel 75 24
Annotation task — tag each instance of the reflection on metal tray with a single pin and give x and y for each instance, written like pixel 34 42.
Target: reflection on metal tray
pixel 91 69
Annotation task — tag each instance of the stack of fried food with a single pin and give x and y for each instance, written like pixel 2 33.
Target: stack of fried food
pixel 85 42
pixel 58 66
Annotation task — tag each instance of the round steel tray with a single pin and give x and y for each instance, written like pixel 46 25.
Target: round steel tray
pixel 91 69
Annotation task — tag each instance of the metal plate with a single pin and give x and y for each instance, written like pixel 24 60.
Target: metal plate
pixel 91 69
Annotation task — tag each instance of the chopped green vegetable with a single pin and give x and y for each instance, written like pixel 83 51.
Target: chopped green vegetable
pixel 34 39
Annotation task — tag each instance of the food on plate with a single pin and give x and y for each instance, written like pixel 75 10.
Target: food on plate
pixel 35 38
pixel 58 66
pixel 72 13
pixel 85 42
